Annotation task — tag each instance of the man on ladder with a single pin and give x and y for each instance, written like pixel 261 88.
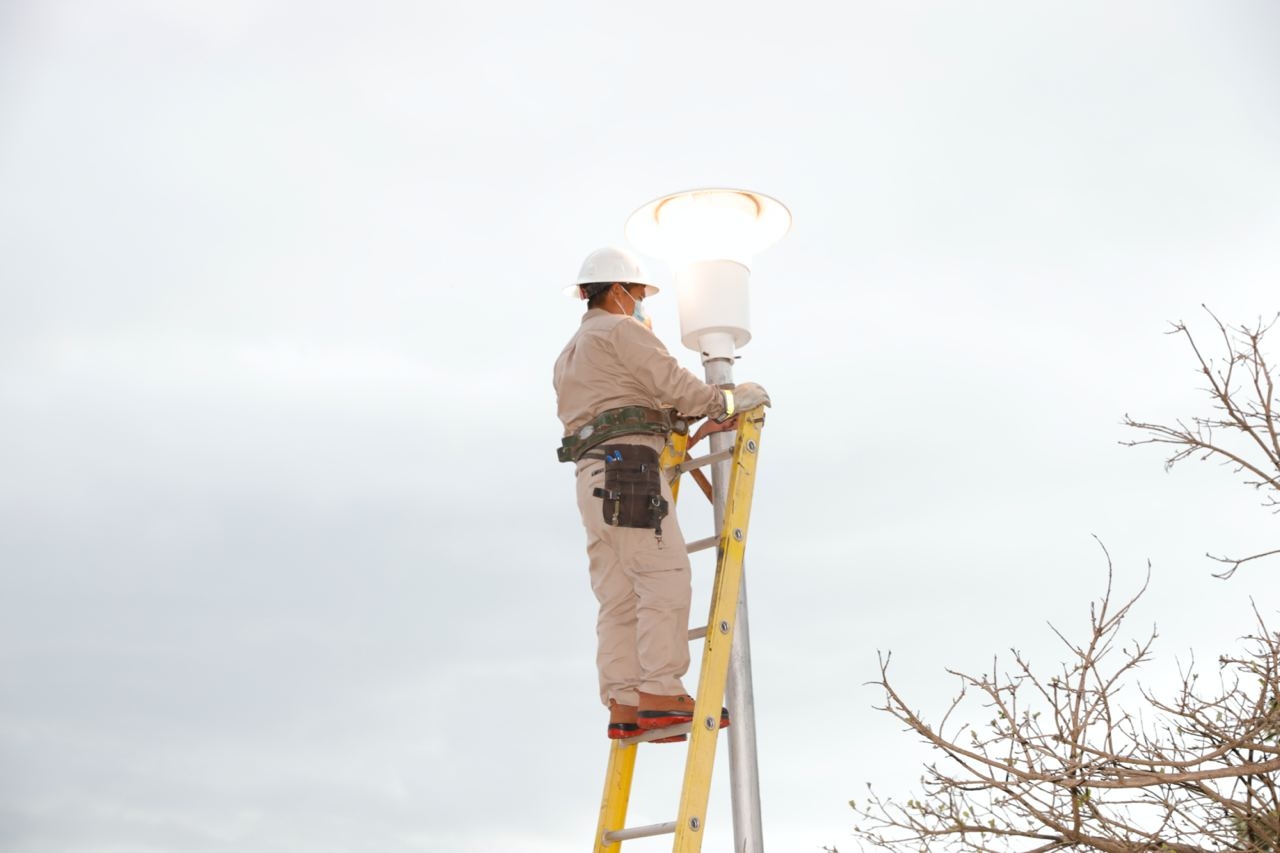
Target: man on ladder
pixel 616 390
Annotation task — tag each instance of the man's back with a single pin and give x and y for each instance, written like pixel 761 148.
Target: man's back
pixel 613 361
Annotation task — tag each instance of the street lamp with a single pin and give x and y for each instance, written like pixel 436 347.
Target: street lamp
pixel 710 236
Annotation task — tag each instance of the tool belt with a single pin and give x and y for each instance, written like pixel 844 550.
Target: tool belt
pixel 628 420
pixel 632 490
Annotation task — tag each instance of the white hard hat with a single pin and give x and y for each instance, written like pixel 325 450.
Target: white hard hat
pixel 611 264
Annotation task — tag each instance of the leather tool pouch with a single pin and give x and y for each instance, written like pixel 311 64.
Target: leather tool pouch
pixel 632 490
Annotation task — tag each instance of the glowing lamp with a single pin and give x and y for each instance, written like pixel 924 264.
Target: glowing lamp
pixel 710 236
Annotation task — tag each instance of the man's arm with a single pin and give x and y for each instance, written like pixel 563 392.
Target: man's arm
pixel 662 376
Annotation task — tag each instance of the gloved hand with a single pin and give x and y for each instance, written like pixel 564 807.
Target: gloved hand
pixel 748 395
pixel 742 398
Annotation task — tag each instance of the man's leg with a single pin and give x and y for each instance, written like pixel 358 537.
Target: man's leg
pixel 616 657
pixel 659 572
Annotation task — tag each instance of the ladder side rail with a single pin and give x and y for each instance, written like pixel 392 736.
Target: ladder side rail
pixel 672 457
pixel 617 794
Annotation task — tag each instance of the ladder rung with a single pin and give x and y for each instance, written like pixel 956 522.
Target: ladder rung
pixel 697 633
pixel 708 459
pixel 639 832
pixel 701 544
pixel 654 734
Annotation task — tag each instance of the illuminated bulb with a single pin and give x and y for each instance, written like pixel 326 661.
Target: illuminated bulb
pixel 709 236
pixel 708 225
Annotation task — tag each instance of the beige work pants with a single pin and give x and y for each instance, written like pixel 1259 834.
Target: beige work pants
pixel 643 587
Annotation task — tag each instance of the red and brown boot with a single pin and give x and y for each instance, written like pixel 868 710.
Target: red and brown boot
pixel 622 724
pixel 622 720
pixel 658 712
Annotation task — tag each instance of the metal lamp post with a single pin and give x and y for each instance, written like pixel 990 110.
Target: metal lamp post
pixel 709 236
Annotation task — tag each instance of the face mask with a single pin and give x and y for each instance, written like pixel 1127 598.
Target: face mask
pixel 637 311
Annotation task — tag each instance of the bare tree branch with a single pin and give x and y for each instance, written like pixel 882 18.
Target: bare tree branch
pixel 1061 765
pixel 1244 431
pixel 1064 760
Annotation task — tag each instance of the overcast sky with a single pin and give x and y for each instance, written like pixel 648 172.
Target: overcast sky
pixel 286 562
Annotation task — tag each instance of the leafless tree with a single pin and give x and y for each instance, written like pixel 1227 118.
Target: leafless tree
pixel 1040 762
pixel 1082 757
pixel 1242 430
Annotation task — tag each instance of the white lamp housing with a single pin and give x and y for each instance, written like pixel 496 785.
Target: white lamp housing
pixel 715 315
pixel 710 236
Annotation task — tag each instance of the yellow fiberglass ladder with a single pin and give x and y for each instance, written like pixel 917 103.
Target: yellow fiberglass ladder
pixel 703 731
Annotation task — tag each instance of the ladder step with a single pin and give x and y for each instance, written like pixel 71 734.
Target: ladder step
pixel 697 633
pixel 639 832
pixel 701 544
pixel 654 734
pixel 709 459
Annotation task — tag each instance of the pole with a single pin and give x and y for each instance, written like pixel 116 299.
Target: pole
pixel 744 771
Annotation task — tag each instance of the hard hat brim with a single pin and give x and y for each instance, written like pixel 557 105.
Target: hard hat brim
pixel 575 290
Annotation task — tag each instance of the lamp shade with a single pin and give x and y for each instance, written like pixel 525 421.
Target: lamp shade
pixel 708 225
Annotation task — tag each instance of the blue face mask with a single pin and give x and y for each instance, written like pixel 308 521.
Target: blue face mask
pixel 637 311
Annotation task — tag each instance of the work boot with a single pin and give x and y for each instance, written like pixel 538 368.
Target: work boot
pixel 658 712
pixel 622 723
pixel 622 720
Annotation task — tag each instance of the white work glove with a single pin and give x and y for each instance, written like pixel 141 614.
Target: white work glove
pixel 748 395
pixel 742 398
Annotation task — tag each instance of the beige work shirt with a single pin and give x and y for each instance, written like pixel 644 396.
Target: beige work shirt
pixel 613 361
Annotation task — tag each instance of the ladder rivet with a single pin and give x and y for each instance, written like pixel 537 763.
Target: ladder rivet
pixel 751 445
pixel 710 723
pixel 737 533
pixel 695 824
pixel 724 627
